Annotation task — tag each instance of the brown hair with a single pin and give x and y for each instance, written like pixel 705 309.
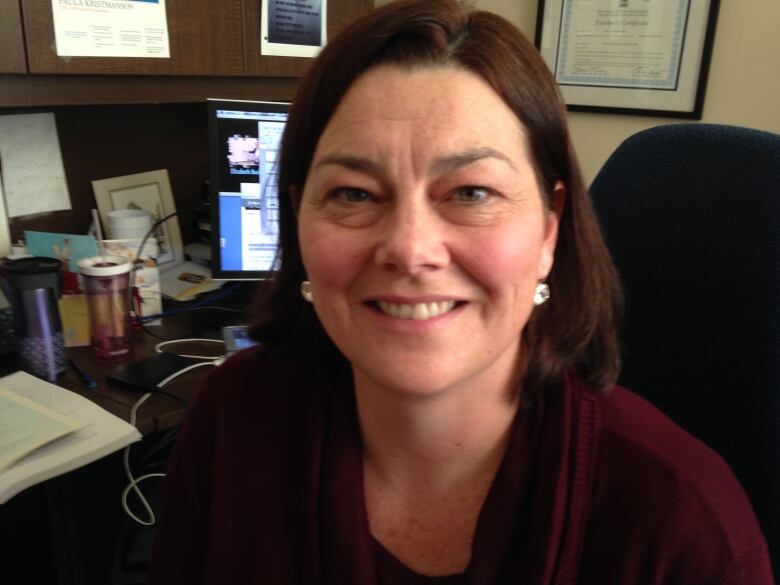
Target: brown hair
pixel 576 328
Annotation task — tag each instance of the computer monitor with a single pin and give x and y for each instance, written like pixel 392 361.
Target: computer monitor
pixel 245 138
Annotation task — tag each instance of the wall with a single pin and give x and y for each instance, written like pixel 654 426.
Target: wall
pixel 743 87
pixel 98 142
pixel 107 141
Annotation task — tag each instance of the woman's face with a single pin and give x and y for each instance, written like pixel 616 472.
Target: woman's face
pixel 423 230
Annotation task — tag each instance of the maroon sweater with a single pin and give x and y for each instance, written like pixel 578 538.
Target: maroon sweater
pixel 265 486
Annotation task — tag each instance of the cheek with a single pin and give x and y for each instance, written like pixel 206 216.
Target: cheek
pixel 504 263
pixel 331 257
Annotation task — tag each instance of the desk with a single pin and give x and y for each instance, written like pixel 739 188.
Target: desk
pixel 159 412
pixel 79 513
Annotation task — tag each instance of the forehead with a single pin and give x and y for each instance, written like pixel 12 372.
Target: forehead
pixel 451 106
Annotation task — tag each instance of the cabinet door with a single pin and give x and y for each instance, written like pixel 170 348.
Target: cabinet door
pixel 11 39
pixel 339 13
pixel 204 35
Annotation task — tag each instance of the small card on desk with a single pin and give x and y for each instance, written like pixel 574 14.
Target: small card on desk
pixel 74 313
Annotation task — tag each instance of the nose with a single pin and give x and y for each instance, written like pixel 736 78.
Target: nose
pixel 412 239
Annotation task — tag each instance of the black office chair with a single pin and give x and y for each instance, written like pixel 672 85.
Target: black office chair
pixel 691 214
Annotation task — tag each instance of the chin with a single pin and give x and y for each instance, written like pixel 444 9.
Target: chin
pixel 410 380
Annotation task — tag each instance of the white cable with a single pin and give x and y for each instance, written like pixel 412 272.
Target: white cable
pixel 134 482
pixel 214 362
pixel 133 485
pixel 159 346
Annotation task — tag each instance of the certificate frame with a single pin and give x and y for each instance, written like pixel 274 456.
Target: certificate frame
pixel 634 57
pixel 152 192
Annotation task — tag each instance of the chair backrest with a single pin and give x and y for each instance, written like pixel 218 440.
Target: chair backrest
pixel 691 214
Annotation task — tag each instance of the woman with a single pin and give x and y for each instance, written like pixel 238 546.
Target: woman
pixel 420 414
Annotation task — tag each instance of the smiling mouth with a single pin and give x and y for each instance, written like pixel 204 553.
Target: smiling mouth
pixel 416 311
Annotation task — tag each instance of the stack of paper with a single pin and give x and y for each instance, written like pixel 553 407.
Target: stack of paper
pixel 46 431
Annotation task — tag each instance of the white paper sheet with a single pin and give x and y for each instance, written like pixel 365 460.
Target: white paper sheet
pixel 146 277
pixel 31 164
pixel 293 28
pixel 111 28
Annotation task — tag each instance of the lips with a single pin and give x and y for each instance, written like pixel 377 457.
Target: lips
pixel 416 311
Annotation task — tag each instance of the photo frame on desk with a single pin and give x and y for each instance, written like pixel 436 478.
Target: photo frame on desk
pixel 150 191
pixel 629 56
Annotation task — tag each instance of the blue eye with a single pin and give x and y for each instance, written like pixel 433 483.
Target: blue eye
pixel 352 195
pixel 471 194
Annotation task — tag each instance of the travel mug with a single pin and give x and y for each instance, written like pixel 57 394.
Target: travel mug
pixel 106 284
pixel 33 286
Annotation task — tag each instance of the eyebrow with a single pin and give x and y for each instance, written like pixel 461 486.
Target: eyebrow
pixel 442 165
pixel 353 163
pixel 457 160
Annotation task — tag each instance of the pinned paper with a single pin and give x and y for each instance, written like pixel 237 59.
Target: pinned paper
pixel 111 28
pixel 31 163
pixel 293 28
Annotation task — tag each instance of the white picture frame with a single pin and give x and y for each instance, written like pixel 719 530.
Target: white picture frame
pixel 150 191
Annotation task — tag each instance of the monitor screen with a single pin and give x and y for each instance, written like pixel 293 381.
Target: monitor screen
pixel 245 138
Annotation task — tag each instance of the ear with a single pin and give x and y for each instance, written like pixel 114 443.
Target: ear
pixel 558 199
pixel 552 220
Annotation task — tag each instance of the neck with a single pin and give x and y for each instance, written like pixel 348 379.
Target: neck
pixel 445 439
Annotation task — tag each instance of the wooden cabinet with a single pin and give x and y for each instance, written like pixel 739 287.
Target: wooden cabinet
pixel 205 39
pixel 11 38
pixel 214 48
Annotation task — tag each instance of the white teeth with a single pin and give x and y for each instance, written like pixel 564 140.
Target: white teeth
pixel 418 311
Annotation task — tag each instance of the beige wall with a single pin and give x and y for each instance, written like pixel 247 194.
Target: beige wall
pixel 743 87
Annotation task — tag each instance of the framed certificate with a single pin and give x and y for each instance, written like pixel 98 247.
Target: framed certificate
pixel 646 57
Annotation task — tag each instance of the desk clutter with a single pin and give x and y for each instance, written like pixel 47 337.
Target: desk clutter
pixel 33 286
pixel 78 311
pixel 173 278
pixel 115 363
pixel 73 290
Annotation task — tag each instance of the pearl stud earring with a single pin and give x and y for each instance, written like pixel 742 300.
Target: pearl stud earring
pixel 542 293
pixel 306 291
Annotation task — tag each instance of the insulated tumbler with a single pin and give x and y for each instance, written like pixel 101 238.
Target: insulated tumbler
pixel 106 283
